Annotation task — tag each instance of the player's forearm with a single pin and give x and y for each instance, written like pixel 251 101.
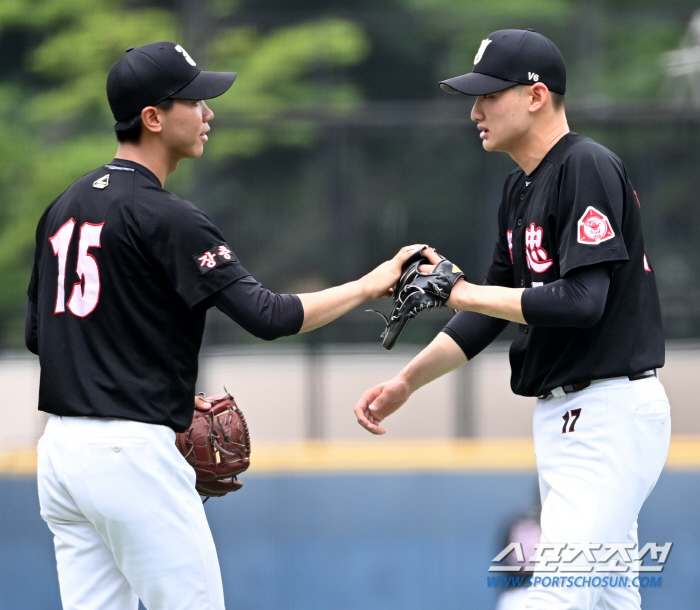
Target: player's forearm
pixel 495 301
pixel 324 306
pixel 440 357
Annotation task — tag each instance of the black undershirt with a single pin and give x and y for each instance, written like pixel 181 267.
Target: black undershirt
pixel 262 313
pixel 575 301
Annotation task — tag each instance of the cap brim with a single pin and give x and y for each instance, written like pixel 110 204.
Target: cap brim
pixel 475 83
pixel 205 86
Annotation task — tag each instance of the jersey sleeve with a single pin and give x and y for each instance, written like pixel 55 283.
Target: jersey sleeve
pixel 31 334
pixel 33 289
pixel 31 338
pixel 190 250
pixel 592 195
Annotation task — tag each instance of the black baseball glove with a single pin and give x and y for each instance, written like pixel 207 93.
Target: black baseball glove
pixel 416 292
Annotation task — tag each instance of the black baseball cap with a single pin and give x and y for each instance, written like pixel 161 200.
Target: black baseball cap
pixel 510 57
pixel 147 75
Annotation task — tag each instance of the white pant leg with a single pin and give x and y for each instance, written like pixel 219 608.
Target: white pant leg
pixel 88 575
pixel 622 597
pixel 130 482
pixel 594 480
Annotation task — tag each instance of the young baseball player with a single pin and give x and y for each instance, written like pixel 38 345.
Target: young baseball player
pixel 124 274
pixel 571 269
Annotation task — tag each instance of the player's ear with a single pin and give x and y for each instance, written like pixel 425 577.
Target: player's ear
pixel 539 95
pixel 151 119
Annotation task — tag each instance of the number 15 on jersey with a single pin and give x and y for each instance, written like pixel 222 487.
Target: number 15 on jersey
pixel 86 292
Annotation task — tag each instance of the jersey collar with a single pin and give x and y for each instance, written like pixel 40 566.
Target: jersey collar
pixel 553 154
pixel 139 168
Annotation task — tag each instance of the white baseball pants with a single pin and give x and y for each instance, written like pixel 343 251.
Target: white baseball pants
pixel 595 478
pixel 127 521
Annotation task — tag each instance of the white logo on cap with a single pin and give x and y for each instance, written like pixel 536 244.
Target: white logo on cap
pixel 533 76
pixel 480 53
pixel 185 54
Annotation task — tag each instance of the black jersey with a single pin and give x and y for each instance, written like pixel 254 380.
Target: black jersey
pixel 121 278
pixel 578 208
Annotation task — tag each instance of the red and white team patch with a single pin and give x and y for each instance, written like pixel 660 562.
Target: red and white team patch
pixel 212 258
pixel 594 227
pixel 536 255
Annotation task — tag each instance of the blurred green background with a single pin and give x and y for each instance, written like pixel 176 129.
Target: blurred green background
pixel 335 146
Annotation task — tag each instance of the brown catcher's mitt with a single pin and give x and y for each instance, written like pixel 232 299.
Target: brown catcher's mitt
pixel 217 446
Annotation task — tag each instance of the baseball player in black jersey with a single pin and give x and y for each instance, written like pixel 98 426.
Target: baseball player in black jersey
pixel 571 269
pixel 123 276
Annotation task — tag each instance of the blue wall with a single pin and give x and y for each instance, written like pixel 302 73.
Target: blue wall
pixel 408 542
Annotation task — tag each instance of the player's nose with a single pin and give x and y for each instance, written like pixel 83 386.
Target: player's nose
pixel 208 114
pixel 477 114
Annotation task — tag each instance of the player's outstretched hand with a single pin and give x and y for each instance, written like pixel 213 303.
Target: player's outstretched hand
pixel 379 281
pixel 434 258
pixel 380 402
pixel 426 283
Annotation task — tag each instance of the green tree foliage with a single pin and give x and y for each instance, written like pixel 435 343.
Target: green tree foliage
pixel 274 78
pixel 57 123
pixel 289 154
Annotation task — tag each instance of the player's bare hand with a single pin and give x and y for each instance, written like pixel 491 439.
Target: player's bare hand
pixel 379 402
pixel 200 404
pixel 434 259
pixel 461 291
pixel 379 281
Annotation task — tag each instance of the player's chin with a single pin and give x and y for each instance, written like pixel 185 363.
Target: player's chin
pixel 489 145
pixel 195 151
